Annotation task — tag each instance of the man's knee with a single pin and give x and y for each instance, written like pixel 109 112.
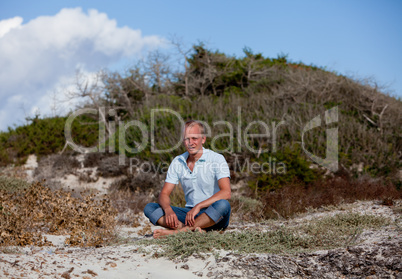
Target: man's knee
pixel 153 211
pixel 219 212
pixel 223 206
pixel 150 208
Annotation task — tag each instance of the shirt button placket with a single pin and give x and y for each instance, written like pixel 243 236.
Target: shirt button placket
pixel 194 176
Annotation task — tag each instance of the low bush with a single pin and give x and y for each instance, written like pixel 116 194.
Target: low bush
pixel 93 159
pixel 133 193
pixel 43 137
pixel 295 198
pixel 139 183
pixel 109 166
pixel 296 169
pixel 11 184
pixel 125 200
pixel 247 208
pixel 55 165
pixel 326 233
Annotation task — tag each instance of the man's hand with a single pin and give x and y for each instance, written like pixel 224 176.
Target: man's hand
pixel 171 218
pixel 191 215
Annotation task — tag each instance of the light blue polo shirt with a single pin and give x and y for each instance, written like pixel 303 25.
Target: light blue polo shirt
pixel 201 183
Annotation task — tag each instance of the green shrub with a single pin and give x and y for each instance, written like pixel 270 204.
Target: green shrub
pixel 43 137
pixel 11 184
pixel 296 169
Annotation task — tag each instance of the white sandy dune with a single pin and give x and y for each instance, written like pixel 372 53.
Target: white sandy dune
pixel 130 260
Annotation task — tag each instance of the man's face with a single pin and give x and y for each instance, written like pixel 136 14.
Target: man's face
pixel 193 139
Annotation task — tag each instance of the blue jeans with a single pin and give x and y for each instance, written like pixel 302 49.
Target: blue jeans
pixel 219 212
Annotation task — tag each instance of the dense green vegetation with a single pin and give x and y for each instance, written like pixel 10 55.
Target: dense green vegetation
pixel 43 137
pixel 218 87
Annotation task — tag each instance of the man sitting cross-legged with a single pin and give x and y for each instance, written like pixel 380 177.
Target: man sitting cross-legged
pixel 204 176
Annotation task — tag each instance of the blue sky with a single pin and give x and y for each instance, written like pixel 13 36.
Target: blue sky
pixel 46 44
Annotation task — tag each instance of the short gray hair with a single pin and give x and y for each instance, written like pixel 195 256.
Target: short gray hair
pixel 191 123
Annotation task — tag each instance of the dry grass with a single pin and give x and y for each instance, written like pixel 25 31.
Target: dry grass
pixel 247 208
pixel 14 171
pixel 130 199
pixel 93 159
pixel 26 214
pixel 139 183
pixel 130 195
pixel 55 165
pixel 295 198
pixel 125 199
pixel 110 167
pixel 177 196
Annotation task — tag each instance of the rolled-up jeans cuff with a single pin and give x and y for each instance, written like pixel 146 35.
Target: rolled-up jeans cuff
pixel 213 214
pixel 156 215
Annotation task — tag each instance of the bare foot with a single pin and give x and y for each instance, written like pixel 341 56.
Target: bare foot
pixel 163 232
pixel 198 229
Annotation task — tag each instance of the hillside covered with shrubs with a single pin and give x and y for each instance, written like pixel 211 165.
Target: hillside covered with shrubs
pixel 272 94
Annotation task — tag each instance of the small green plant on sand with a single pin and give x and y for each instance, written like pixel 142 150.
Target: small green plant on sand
pixel 326 233
pixel 11 184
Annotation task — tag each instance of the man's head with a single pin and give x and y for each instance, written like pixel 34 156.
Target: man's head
pixel 194 136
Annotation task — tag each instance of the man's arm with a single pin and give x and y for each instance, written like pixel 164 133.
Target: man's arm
pixel 223 194
pixel 164 201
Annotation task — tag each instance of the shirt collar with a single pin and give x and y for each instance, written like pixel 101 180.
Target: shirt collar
pixel 183 157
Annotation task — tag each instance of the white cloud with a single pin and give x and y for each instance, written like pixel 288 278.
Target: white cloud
pixel 37 56
pixel 8 24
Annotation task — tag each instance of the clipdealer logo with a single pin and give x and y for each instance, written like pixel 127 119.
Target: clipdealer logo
pixel 270 132
pixel 331 160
